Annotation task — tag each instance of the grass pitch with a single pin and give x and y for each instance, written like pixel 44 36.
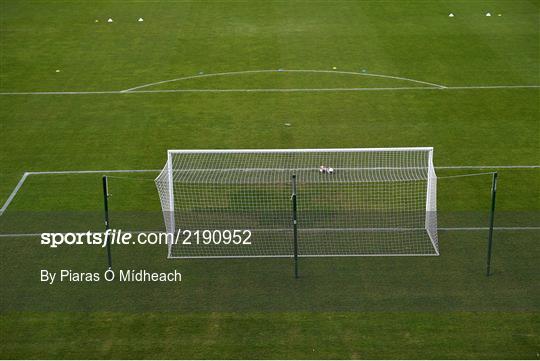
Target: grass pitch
pixel 440 307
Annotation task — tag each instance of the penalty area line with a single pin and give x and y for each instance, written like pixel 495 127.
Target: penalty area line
pixel 14 193
pixel 95 171
pixel 489 167
pixel 27 174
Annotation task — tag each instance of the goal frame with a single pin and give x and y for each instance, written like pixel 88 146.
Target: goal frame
pixel 429 197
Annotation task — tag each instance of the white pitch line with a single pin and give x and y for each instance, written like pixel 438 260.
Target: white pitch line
pixel 489 167
pixel 283 71
pixel 26 174
pixel 159 170
pixel 96 171
pixel 270 90
pixel 62 93
pixel 493 87
pixel 314 90
pixel 448 229
pixel 282 90
pixel 531 228
pixel 13 193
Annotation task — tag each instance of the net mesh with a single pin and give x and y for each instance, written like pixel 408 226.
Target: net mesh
pixel 375 202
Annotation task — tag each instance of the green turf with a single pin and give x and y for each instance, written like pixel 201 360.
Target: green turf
pixel 434 307
pixel 283 336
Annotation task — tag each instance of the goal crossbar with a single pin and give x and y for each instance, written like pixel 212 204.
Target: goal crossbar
pixel 305 150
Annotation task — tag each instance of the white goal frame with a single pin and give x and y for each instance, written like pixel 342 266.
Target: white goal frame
pixel 165 182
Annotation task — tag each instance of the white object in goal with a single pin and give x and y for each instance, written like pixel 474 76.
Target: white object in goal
pixel 375 202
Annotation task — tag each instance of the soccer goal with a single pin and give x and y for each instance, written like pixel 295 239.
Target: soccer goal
pixel 300 202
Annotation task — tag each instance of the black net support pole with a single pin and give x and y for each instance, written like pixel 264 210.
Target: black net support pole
pixel 491 222
pixel 295 225
pixel 107 225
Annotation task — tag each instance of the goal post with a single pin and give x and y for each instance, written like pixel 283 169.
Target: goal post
pixel 349 202
pixel 431 201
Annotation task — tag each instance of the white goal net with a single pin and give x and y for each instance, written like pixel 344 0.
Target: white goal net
pixel 350 202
